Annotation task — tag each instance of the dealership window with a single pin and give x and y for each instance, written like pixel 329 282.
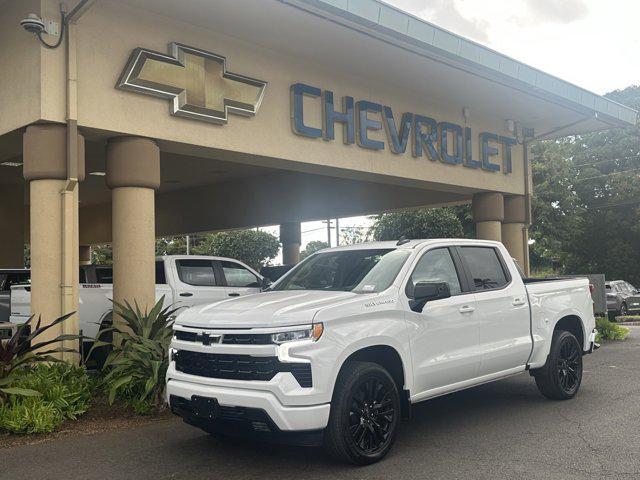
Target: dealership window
pixel 485 267
pixel 104 275
pixel 238 276
pixel 437 266
pixel 196 272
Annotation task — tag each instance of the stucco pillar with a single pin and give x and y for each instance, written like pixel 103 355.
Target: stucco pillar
pixel 514 229
pixel 291 238
pixel 85 255
pixel 133 173
pixel 488 213
pixel 53 228
pixel 12 226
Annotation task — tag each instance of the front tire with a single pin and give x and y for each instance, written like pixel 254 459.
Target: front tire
pixel 561 376
pixel 365 411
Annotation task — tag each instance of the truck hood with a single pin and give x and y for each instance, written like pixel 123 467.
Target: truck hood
pixel 264 310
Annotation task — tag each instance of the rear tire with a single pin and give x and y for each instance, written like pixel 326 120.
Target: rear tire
pixel 364 417
pixel 561 376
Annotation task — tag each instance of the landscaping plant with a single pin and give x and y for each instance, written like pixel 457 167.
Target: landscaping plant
pixel 24 350
pixel 64 392
pixel 135 369
pixel 609 330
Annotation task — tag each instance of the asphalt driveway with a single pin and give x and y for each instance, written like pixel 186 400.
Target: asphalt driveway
pixel 504 430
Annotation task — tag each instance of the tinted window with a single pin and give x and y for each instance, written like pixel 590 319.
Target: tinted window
pixel 161 278
pixel 196 272
pixel 360 271
pixel 485 267
pixel 238 276
pixel 437 266
pixel 82 276
pixel 104 275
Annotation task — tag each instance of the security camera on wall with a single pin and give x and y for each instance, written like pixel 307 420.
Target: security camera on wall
pixel 33 24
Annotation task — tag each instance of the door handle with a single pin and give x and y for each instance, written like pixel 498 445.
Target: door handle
pixel 518 302
pixel 466 309
pixel 186 294
pixel 234 294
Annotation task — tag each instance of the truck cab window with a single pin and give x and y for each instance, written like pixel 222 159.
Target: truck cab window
pixel 196 272
pixel 437 266
pixel 238 276
pixel 161 278
pixel 485 267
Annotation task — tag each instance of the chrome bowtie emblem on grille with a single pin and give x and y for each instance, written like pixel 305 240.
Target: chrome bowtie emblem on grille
pixel 209 339
pixel 196 81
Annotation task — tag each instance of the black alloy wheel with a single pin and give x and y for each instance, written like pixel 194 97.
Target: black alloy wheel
pixel 569 366
pixel 371 416
pixel 561 376
pixel 365 414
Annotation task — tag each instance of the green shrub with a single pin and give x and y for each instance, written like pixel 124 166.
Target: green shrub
pixel 64 392
pixel 135 370
pixel 628 318
pixel 23 350
pixel 609 331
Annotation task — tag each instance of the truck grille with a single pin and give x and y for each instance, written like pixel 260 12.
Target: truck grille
pixel 227 338
pixel 239 367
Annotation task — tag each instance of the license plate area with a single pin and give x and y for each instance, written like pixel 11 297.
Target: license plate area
pixel 204 407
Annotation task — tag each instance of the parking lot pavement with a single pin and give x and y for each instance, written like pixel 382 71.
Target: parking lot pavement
pixel 504 430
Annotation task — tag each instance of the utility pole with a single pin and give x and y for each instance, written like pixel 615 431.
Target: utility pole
pixel 188 245
pixel 337 232
pixel 329 232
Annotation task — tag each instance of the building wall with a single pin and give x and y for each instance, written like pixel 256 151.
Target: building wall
pixel 111 30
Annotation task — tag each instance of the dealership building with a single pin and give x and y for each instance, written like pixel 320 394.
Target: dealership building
pixel 158 117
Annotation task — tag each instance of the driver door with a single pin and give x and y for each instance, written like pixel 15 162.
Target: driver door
pixel 445 335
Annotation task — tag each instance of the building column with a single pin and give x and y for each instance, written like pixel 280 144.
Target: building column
pixel 133 174
pixel 53 227
pixel 291 238
pixel 85 255
pixel 515 234
pixel 12 219
pixel 488 213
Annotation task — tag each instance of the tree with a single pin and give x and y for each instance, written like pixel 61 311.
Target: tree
pixel 352 235
pixel 312 247
pixel 101 255
pixel 431 223
pixel 255 248
pixel 586 205
pixel 172 245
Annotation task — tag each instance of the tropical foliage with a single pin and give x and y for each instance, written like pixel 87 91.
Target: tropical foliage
pixel 312 247
pixel 134 371
pixel 64 392
pixel 25 349
pixel 609 330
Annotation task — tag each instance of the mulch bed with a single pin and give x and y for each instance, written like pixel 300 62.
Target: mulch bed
pixel 100 417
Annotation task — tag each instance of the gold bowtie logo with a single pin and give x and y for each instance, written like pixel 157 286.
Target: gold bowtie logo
pixel 196 81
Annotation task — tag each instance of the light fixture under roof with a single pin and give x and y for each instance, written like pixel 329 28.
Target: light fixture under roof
pixel 97 174
pixel 11 164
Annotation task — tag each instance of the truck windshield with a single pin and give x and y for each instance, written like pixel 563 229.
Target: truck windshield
pixel 359 271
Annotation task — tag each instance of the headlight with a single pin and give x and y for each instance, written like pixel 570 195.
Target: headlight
pixel 313 333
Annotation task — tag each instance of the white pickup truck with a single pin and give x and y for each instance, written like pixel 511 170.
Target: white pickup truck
pixel 184 280
pixel 338 349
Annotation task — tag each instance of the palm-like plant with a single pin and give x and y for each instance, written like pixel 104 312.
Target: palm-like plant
pixel 23 350
pixel 136 367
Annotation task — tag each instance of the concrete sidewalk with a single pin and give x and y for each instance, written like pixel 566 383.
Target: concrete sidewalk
pixel 505 430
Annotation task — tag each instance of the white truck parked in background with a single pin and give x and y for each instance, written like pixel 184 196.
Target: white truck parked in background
pixel 341 346
pixel 184 280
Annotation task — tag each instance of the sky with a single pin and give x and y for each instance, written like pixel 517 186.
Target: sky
pixel 594 44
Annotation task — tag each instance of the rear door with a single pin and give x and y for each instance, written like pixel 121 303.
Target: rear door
pixel 239 280
pixel 197 282
pixel 502 309
pixel 444 336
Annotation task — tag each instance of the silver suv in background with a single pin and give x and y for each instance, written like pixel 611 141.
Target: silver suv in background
pixel 622 298
pixel 8 278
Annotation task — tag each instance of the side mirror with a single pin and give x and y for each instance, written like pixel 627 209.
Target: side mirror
pixel 424 292
pixel 265 283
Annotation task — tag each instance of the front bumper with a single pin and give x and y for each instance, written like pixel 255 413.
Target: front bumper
pixel 284 418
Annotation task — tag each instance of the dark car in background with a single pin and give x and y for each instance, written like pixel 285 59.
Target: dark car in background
pixel 622 298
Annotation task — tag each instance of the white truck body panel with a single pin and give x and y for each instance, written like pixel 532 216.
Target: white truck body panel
pixel 95 298
pixel 467 339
